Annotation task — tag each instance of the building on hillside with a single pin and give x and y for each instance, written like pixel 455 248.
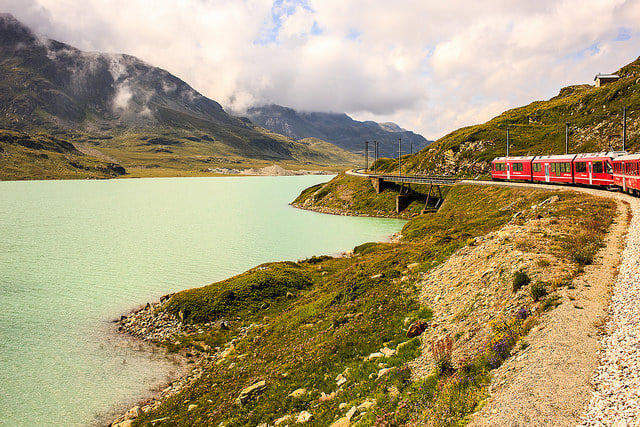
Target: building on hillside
pixel 603 79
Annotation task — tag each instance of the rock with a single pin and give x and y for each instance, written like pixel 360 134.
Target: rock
pixel 387 352
pixel 372 356
pixel 192 407
pixel 413 265
pixel 282 420
pixel 324 397
pixel 132 413
pixel 341 422
pixel 225 353
pixel 377 276
pixel 351 412
pixel 304 417
pixel 417 328
pixel 250 392
pixel 366 404
pixel 298 393
pixel 125 423
pixel 340 379
pixel 384 371
pixel 342 406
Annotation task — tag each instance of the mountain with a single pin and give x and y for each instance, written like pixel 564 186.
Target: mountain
pixel 339 129
pixel 140 115
pixel 595 123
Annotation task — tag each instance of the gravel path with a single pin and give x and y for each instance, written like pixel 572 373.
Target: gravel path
pixel 616 398
pixel 546 384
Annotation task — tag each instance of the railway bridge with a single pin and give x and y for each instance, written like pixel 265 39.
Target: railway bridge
pixel 405 196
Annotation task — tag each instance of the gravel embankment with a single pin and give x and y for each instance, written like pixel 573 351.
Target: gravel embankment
pixel 616 398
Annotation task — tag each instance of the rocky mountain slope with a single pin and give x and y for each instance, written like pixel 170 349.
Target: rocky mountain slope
pixel 339 129
pixel 595 120
pixel 141 115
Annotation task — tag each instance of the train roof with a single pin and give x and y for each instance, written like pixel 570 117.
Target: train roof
pixel 628 157
pixel 556 157
pixel 513 158
pixel 609 154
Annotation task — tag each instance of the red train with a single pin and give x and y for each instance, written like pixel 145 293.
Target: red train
pixel 611 170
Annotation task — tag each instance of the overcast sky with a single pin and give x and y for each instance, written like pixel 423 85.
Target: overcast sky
pixel 430 66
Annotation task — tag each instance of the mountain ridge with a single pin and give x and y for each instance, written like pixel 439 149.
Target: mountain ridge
pixel 144 117
pixel 337 128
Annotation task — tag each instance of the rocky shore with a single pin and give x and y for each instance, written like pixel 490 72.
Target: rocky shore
pixel 152 324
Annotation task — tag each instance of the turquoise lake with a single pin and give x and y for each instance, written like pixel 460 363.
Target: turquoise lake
pixel 75 255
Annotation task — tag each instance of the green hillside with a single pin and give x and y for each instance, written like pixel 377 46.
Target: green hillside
pixel 595 122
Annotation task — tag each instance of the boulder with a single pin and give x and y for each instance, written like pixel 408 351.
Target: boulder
pixel 251 392
pixel 383 371
pixel 387 352
pixel 417 328
pixel 351 412
pixel 341 422
pixel 192 407
pixel 366 404
pixel 282 420
pixel 132 413
pixel 304 417
pixel 298 393
pixel 372 356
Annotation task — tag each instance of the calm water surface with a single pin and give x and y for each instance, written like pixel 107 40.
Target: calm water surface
pixel 74 255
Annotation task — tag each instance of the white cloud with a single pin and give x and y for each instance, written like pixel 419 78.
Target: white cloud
pixel 431 66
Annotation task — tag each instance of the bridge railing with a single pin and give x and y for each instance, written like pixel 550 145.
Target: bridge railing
pixel 411 179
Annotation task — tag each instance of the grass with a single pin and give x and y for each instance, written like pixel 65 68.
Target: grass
pixel 300 325
pixel 358 197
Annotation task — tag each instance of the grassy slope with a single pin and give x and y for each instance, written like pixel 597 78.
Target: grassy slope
pixel 25 156
pixel 315 318
pixel 594 114
pixel 356 196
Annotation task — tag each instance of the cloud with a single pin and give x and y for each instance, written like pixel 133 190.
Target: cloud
pixel 430 66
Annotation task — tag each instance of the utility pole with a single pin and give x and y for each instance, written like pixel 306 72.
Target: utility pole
pixel 624 128
pixel 507 140
pixel 399 155
pixel 366 156
pixel 411 147
pixel 566 137
pixel 375 153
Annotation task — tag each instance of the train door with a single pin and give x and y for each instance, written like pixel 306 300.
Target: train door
pixel 508 170
pixel 590 170
pixel 546 172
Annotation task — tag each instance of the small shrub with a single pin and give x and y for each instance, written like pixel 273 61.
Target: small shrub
pixel 520 279
pixel 538 290
pixel 543 263
pixel 551 302
pixel 441 350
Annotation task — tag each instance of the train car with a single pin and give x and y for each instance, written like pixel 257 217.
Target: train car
pixel 512 168
pixel 595 168
pixel 626 173
pixel 556 169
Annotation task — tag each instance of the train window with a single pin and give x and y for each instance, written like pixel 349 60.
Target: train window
pixel 609 168
pixel 581 167
pixel 566 167
pixel 537 167
pixel 552 166
pixel 597 166
pixel 517 167
pixel 500 166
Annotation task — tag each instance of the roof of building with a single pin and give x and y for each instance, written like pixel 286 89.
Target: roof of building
pixel 606 76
